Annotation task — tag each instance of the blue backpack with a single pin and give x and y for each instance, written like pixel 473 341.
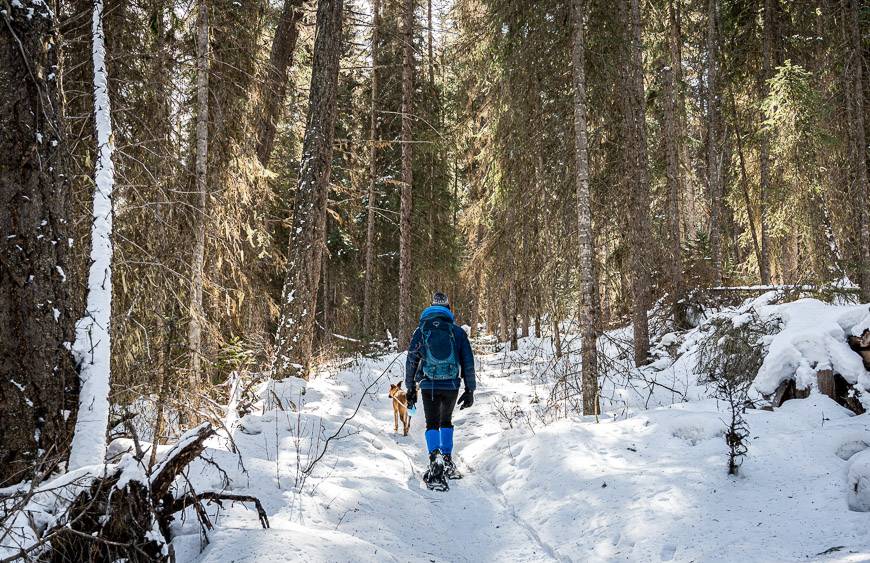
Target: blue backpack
pixel 439 361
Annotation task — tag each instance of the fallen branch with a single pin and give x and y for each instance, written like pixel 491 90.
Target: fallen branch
pixel 190 499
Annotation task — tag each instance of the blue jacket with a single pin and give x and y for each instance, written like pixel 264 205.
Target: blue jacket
pixel 463 352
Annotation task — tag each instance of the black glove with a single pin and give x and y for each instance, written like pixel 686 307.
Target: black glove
pixel 411 398
pixel 466 399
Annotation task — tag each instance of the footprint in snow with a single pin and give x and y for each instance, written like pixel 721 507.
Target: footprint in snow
pixel 668 551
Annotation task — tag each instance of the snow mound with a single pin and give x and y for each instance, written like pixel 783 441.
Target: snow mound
pixel 813 338
pixel 859 482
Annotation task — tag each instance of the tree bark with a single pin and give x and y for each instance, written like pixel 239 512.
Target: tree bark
pixel 293 341
pixel 373 172
pixel 407 175
pixel 512 312
pixel 38 380
pixel 588 306
pixel 274 88
pixel 639 227
pixel 429 44
pixel 675 48
pixel 714 149
pixel 675 189
pixel 195 310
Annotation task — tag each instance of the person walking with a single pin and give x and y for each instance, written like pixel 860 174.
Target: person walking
pixel 439 360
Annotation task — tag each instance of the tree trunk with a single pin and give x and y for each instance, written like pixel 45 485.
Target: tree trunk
pixel 37 378
pixel 92 348
pixel 194 329
pixel 675 189
pixel 764 149
pixel 714 149
pixel 588 309
pixel 293 341
pixel 327 305
pixel 639 226
pixel 503 325
pixel 859 153
pixel 407 175
pixel 429 44
pixel 274 87
pixel 512 312
pixel 554 321
pixel 675 47
pixel 373 172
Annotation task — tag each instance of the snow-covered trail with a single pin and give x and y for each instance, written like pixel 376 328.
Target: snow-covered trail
pixel 650 487
pixel 368 501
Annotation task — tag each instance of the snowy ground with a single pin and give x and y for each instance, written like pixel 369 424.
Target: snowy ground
pixel 638 485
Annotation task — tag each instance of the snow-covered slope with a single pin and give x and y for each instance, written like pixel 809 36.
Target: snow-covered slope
pixel 647 482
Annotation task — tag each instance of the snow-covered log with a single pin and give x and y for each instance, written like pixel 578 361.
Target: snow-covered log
pixel 92 347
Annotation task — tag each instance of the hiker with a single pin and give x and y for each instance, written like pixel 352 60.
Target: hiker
pixel 438 357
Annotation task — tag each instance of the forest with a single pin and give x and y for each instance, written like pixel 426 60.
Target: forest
pixel 220 220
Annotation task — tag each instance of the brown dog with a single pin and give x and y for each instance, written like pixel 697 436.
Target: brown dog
pixel 400 408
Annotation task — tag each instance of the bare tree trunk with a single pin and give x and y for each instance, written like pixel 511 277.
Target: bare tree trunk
pixel 675 147
pixel 327 305
pixel 852 16
pixel 407 175
pixel 639 226
pixel 764 149
pixel 38 380
pixel 512 312
pixel 588 307
pixel 195 310
pixel 714 149
pixel 293 341
pixel 477 289
pixel 526 316
pixel 675 189
pixel 274 87
pixel 429 44
pixel 554 322
pixel 675 47
pixel 373 172
pixel 504 326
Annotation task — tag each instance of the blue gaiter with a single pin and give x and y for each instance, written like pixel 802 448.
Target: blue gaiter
pixel 433 440
pixel 446 440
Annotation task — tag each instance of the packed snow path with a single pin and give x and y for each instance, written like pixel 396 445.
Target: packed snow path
pixel 368 501
pixel 647 487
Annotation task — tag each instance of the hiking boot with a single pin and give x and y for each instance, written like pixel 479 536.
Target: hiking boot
pixel 450 468
pixel 435 477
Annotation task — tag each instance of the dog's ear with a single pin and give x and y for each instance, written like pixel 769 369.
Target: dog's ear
pixel 392 386
pixel 399 385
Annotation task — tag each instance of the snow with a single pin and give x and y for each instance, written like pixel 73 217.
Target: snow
pixel 92 346
pixel 646 482
pixel 813 338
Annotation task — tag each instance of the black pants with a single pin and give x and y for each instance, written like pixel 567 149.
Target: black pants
pixel 438 406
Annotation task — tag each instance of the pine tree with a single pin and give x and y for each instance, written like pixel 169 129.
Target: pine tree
pixel 293 341
pixel 588 310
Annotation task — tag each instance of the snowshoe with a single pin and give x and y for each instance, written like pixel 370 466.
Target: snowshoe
pixel 435 477
pixel 450 470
